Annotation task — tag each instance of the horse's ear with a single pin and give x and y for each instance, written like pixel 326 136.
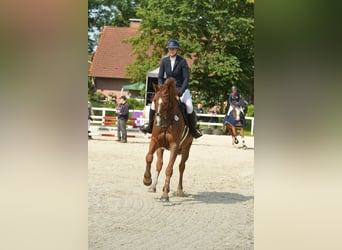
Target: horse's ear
pixel 156 87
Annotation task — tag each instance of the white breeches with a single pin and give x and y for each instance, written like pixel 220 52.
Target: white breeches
pixel 186 99
pixel 231 109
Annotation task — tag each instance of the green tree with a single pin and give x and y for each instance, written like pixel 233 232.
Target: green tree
pixel 217 35
pixel 108 13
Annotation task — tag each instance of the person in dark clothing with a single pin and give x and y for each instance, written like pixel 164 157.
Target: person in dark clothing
pixel 90 113
pixel 176 66
pixel 214 111
pixel 123 111
pixel 199 110
pixel 235 100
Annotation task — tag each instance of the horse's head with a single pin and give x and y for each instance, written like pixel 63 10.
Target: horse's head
pixel 164 100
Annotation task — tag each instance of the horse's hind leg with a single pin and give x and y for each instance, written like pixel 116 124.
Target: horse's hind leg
pixel 185 156
pixel 153 187
pixel 149 158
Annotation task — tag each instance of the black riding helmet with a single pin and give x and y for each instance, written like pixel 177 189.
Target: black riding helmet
pixel 172 44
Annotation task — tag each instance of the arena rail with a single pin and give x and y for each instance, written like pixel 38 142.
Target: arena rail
pixel 220 123
pixel 103 125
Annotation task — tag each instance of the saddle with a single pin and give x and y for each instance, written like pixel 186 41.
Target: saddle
pixel 230 120
pixel 182 108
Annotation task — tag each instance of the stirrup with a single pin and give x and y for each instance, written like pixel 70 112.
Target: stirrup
pixel 196 134
pixel 146 129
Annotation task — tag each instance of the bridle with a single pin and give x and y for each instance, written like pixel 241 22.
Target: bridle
pixel 164 117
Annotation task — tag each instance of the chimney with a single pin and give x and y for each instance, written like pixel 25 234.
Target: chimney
pixel 134 23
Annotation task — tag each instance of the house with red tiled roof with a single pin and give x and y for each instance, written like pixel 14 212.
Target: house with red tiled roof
pixel 108 67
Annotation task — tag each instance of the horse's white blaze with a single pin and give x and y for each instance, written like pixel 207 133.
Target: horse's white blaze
pixel 160 101
pixel 237 114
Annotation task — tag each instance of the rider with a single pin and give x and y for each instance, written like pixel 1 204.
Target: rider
pixel 235 100
pixel 176 66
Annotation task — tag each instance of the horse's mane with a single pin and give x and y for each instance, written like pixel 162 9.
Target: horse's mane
pixel 170 86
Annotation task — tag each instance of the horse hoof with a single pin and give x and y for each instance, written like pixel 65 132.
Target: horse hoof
pixel 147 182
pixel 164 199
pixel 152 190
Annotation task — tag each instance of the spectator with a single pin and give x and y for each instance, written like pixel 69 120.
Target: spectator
pixel 123 110
pixel 90 112
pixel 199 110
pixel 214 111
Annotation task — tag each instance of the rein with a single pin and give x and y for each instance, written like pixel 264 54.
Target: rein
pixel 165 116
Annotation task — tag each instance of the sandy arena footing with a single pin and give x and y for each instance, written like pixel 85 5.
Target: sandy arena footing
pixel 217 212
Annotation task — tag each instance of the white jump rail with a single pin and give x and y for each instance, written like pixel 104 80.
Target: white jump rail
pixel 220 123
pixel 99 128
pixel 98 121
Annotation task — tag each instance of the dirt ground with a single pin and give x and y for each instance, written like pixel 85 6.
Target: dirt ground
pixel 216 214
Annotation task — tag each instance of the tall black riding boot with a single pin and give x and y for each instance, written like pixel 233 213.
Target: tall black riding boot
pixel 149 127
pixel 192 125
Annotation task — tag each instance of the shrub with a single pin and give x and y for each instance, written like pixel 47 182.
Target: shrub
pixel 96 97
pixel 250 110
pixel 135 104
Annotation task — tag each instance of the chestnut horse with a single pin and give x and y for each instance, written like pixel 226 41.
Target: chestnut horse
pixel 169 132
pixel 233 122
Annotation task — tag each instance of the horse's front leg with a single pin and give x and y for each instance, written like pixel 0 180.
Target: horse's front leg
pixel 149 158
pixel 234 134
pixel 168 172
pixel 160 153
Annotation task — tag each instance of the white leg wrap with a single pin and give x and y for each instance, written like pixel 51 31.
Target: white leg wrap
pixel 155 179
